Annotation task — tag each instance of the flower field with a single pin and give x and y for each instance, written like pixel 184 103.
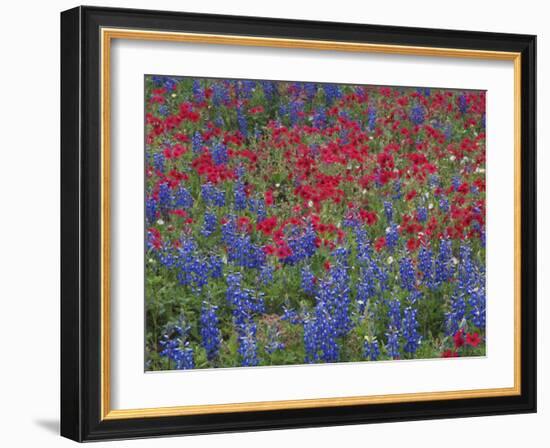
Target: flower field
pixel 294 223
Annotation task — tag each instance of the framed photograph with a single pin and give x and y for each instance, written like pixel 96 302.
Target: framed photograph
pixel 273 223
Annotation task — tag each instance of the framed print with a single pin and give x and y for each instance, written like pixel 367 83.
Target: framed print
pixel 275 224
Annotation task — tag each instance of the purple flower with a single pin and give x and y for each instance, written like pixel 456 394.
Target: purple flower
pixel 210 332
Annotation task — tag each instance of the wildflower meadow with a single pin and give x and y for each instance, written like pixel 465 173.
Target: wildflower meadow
pixel 300 222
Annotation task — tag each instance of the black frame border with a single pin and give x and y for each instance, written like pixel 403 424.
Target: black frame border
pixel 81 224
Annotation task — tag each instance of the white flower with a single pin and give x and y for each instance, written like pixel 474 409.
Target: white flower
pixel 390 259
pixel 173 95
pixel 430 206
pixel 310 203
pixel 452 158
pixel 160 222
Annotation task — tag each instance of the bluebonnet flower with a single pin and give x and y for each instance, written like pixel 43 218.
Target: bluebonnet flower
pixel 220 94
pixel 163 110
pixel 381 273
pixel 397 189
pixel 240 172
pixel 151 209
pixel 407 273
pixel 197 142
pixel 168 83
pixel 240 249
pixel 331 314
pixel 193 270
pixel 363 245
pixel 242 121
pixel 183 198
pixel 478 301
pixel 311 90
pixel 410 330
pixel 361 93
pixel 444 205
pixel 366 287
pixel 388 210
pixel 269 88
pixel 240 196
pixel 393 346
pixel 454 318
pixel 229 230
pixel 332 93
pixel 307 281
pixel 212 195
pixel 166 256
pixel 219 154
pixel 371 114
pixel 176 348
pixel 257 206
pixel 209 329
pixel 295 107
pixel 418 115
pixel 392 236
pixel 320 118
pixel 352 220
pixel 165 197
pixel 371 349
pixel 466 274
pixel 394 314
pixel 198 91
pixel 470 290
pixel 248 347
pixel 456 182
pixel 320 336
pixel 433 181
pixel 463 104
pixel 334 292
pixel 243 252
pixel 215 264
pixel 426 266
pixel 244 302
pixel 302 245
pixel 266 274
pixel 247 88
pixel 422 213
pixel 423 91
pixel 443 264
pixel 158 161
pixel 210 224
